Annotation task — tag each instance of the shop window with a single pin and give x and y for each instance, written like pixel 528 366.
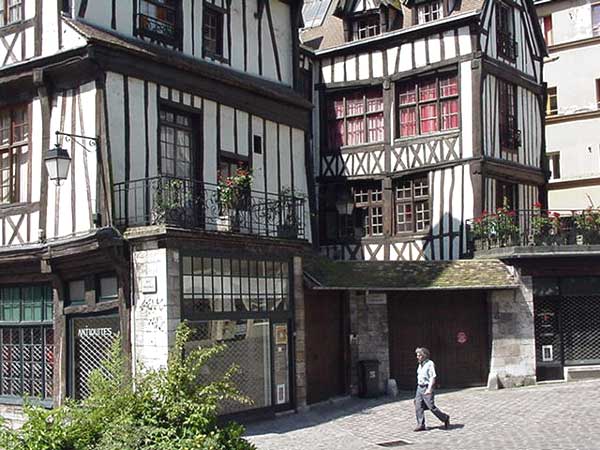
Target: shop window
pixel 355 118
pixel 14 139
pixel 510 135
pixel 428 12
pixel 429 105
pixel 109 288
pixel 551 102
pixel 10 11
pixel 598 93
pixel 26 342
pixel 212 32
pixel 233 285
pixel 546 26
pixel 175 144
pixel 554 161
pixel 596 19
pixel 412 205
pixel 505 32
pixel 365 26
pixel 157 20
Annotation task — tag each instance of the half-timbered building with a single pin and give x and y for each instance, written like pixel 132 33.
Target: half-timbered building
pixel 185 196
pixel 429 113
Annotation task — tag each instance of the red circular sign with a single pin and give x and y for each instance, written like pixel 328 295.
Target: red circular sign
pixel 461 337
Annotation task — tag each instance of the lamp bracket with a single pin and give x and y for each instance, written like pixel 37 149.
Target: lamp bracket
pixel 76 138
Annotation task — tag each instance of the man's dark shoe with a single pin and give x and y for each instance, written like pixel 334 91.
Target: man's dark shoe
pixel 447 423
pixel 420 429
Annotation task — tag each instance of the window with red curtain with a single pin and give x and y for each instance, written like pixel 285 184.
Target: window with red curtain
pixel 355 118
pixel 428 105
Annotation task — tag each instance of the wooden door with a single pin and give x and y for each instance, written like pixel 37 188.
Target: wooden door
pixel 325 345
pixel 453 325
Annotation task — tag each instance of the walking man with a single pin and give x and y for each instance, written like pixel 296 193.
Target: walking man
pixel 424 397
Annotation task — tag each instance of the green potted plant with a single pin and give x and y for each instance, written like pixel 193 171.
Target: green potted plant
pixel 495 230
pixel 233 197
pixel 546 227
pixel 588 226
pixel 172 202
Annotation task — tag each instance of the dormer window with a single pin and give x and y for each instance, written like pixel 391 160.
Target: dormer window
pixel 365 26
pixel 428 12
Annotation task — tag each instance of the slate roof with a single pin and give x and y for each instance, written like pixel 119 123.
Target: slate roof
pixel 323 273
pixel 331 33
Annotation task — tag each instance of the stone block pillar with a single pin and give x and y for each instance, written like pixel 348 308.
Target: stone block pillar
pixel 513 337
pixel 369 326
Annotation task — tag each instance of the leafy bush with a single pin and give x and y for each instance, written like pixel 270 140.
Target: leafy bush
pixel 167 409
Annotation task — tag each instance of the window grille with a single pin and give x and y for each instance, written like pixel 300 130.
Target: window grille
pixel 26 342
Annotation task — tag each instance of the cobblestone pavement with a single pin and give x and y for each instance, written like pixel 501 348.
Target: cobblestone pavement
pixel 561 416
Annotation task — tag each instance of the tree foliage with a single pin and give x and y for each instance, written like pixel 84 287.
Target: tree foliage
pixel 166 409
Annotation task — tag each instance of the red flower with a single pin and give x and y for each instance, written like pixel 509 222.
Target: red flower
pixel 556 214
pixel 484 213
pixel 512 213
pixel 537 205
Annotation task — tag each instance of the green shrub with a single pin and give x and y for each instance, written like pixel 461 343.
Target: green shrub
pixel 166 409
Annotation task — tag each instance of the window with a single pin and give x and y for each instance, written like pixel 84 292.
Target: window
pixel 10 11
pixel 175 144
pixel 412 205
pixel 368 203
pixel 429 105
pixel 506 195
pixel 109 288
pixel 598 92
pixel 554 162
pixel 510 136
pixel 505 32
pixel 596 19
pixel 355 118
pixel 76 292
pixel 14 137
pixel 212 32
pixel 365 26
pixel 158 20
pixel 552 102
pixel 26 342
pixel 546 26
pixel 430 11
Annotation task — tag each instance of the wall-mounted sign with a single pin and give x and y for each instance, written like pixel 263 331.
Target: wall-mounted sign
pixel 148 285
pixel 280 335
pixel 92 332
pixel 376 298
pixel 461 337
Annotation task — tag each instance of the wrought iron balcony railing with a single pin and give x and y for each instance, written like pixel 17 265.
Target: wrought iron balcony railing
pixel 187 203
pixel 507 45
pixel 534 227
pixel 157 30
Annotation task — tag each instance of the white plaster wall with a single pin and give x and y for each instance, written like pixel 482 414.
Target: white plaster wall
pixel 571 20
pixel 579 145
pixel 576 89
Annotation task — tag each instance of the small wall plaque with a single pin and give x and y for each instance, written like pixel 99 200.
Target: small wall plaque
pixel 376 298
pixel 149 285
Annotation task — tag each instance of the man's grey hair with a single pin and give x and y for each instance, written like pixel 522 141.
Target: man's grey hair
pixel 424 351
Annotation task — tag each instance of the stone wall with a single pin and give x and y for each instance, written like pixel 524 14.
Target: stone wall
pixel 13 415
pixel 369 325
pixel 513 339
pixel 300 334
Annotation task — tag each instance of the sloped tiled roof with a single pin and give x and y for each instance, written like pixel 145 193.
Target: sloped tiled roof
pixel 331 33
pixel 323 273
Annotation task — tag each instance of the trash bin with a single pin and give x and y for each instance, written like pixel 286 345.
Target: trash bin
pixel 368 378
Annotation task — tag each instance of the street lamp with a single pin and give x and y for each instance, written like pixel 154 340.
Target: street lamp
pixel 57 160
pixel 344 204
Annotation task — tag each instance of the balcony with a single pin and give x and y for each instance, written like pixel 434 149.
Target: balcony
pixel 538 230
pixel 184 203
pixel 157 30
